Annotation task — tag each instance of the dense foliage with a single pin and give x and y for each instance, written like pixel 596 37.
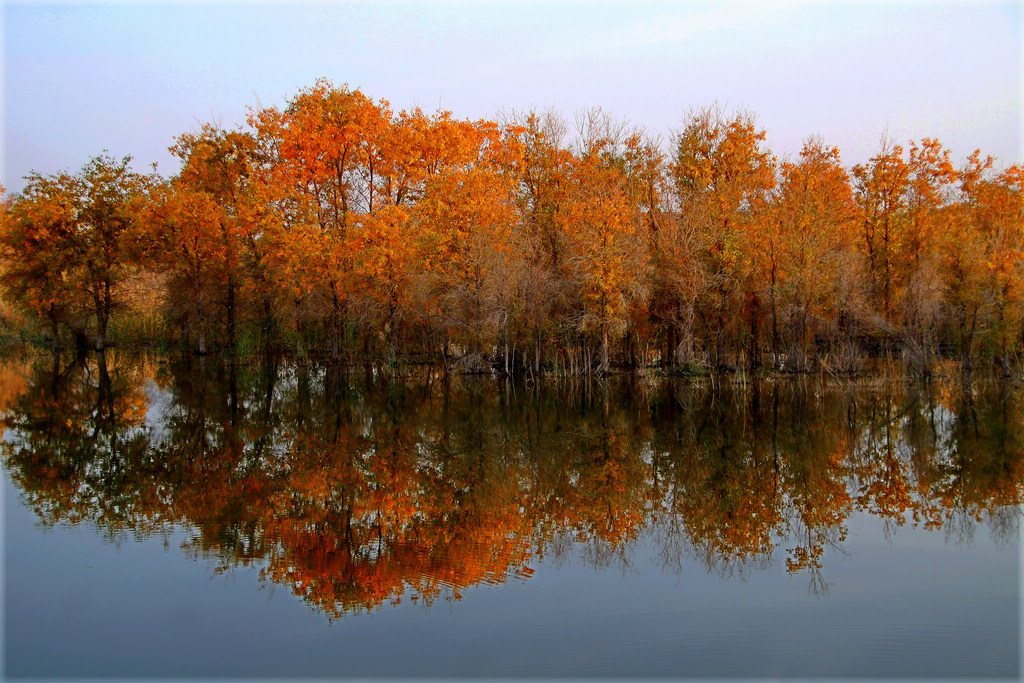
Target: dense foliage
pixel 335 226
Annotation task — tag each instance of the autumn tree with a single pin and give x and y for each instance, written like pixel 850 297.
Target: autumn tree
pixel 929 191
pixel 605 259
pixel 679 281
pixel 539 240
pixel 386 265
pixel 107 229
pixel 922 251
pixel 806 249
pixel 646 189
pixel 440 194
pixel 962 250
pixel 180 244
pixel 465 218
pixel 205 223
pixel 75 236
pixel 323 170
pixel 335 223
pixel 988 256
pixel 386 246
pixel 722 172
pixel 37 238
pixel 881 187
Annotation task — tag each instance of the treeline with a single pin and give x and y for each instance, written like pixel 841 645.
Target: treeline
pixel 337 227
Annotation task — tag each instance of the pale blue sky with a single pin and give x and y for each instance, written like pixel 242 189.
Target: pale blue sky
pixel 129 76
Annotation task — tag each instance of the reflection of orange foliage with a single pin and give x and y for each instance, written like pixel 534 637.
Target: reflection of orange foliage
pixel 71 411
pixel 804 558
pixel 337 578
pixel 733 517
pixel 599 498
pixel 13 383
pixel 356 497
pixel 887 493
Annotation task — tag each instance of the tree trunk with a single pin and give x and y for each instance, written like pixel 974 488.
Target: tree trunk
pixel 103 317
pixel 755 310
pixel 201 347
pixel 101 332
pixel 604 347
pixel 389 332
pixel 671 344
pixel 268 325
pixel 201 324
pixel 231 314
pixel 720 340
pixel 775 323
pixel 54 329
pixel 967 337
pixel 536 352
pixel 335 323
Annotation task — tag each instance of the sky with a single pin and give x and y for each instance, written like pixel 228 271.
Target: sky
pixel 127 77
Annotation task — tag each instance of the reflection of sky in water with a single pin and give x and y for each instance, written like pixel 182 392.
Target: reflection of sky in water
pixel 158 402
pixel 909 605
pixel 584 538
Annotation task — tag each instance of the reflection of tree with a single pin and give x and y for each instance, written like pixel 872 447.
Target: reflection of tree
pixel 722 478
pixel 79 440
pixel 815 442
pixel 358 490
pixel 983 471
pixel 397 496
pixel 942 459
pixel 893 455
pixel 592 483
pixel 14 378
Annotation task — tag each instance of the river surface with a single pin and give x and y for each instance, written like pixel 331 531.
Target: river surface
pixel 166 517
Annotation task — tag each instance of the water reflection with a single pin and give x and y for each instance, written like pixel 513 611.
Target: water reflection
pixel 354 490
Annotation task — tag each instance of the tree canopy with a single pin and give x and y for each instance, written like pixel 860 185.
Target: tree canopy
pixel 337 226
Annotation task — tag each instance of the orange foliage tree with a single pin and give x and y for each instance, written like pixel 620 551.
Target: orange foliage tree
pixel 605 260
pixel 806 249
pixel 321 169
pixel 466 216
pixel 71 240
pixel 722 173
pixel 38 227
pixel 336 224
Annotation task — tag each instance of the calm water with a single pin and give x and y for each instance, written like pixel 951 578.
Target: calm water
pixel 276 520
